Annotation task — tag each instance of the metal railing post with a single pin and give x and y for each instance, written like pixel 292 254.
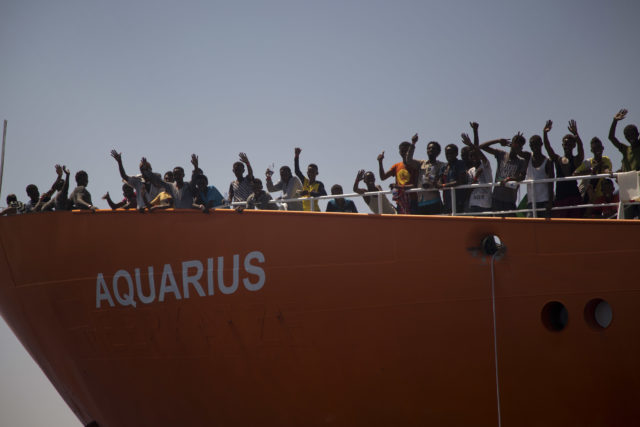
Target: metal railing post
pixel 533 200
pixel 453 201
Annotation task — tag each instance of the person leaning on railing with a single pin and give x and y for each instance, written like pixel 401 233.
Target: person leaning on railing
pixel 369 180
pixel 596 165
pixel 479 173
pixel 539 167
pixel 567 192
pixel 630 153
pixel 512 168
pixel 429 172
pixel 289 184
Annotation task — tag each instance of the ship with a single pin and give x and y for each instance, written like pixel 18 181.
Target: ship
pixel 280 318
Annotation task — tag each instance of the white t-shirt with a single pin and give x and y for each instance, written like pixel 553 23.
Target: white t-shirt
pixel 481 197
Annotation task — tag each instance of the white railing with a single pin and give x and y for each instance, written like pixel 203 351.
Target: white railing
pixel 533 210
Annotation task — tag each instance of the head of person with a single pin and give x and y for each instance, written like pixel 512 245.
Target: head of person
pixel 568 143
pixel 82 178
pixel 369 178
pixel 631 133
pixel 465 155
pixel 451 153
pixel 256 185
pixel 312 171
pixel 11 198
pixel 474 158
pixel 238 169
pixel 32 192
pixel 607 188
pixel 169 176
pixel 336 189
pixel 517 143
pixel 403 148
pixel 145 169
pixel 201 182
pixel 285 174
pixel 535 143
pixel 433 150
pixel 597 148
pixel 177 174
pixel 127 191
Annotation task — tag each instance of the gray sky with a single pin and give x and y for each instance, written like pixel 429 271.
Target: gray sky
pixel 343 80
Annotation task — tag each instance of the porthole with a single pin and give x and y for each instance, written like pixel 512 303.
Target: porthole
pixel 555 316
pixel 598 314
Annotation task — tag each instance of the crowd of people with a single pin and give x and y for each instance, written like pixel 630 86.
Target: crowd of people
pixel 150 191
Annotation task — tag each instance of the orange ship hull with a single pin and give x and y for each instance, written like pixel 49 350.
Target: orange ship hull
pixel 285 318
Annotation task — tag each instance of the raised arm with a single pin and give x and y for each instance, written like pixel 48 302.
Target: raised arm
pixel 573 128
pixel 112 205
pixel 65 186
pixel 409 157
pixel 296 164
pixel 244 159
pixel 620 115
pixel 476 142
pixel 545 139
pixel 356 183
pixel 195 172
pixel 46 197
pixel 486 146
pixel 383 175
pixel 271 187
pixel 118 157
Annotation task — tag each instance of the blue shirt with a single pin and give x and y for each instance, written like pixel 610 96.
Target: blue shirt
pixel 213 195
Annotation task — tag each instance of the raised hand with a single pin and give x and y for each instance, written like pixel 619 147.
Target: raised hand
pixel 620 115
pixel 106 196
pixel 573 127
pixel 194 161
pixel 243 158
pixel 65 170
pixel 116 155
pixel 548 126
pixel 414 139
pixel 360 175
pixel 59 170
pixel 474 125
pixel 297 151
pixel 465 139
pixel 505 142
pixel 268 173
pixel 381 156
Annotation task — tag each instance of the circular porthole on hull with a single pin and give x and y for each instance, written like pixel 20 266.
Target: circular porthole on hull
pixel 598 313
pixel 555 316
